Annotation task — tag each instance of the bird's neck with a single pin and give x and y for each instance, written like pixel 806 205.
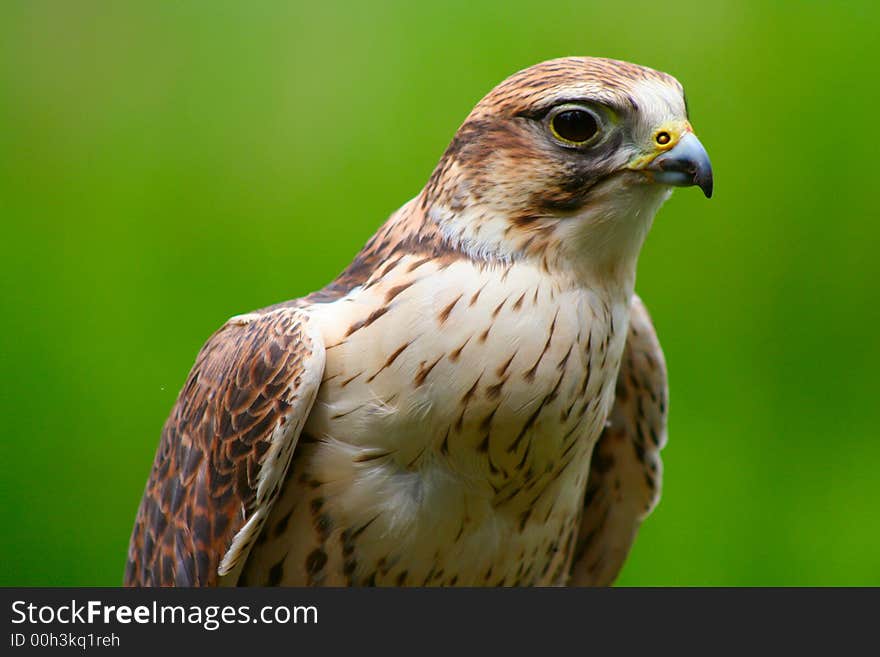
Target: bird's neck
pixel 595 247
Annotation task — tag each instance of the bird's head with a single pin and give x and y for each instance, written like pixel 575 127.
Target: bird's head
pixel 568 159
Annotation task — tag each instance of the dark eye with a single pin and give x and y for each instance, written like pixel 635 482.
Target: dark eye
pixel 574 125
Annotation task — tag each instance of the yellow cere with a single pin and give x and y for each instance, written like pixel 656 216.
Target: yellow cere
pixel 664 138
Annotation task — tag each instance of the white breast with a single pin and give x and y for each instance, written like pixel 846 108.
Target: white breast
pixel 460 420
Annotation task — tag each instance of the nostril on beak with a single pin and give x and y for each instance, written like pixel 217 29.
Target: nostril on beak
pixel 684 165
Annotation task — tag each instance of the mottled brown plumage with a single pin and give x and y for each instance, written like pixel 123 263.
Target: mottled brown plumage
pixel 478 399
pixel 625 471
pixel 225 448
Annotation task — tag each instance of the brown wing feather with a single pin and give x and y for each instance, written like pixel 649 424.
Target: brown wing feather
pixel 225 449
pixel 625 473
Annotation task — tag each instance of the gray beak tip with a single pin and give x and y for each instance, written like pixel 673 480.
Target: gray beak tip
pixel 684 165
pixel 706 184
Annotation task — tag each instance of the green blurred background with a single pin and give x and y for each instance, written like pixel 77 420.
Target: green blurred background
pixel 166 165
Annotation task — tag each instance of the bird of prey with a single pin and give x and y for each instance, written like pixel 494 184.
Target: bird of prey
pixel 478 399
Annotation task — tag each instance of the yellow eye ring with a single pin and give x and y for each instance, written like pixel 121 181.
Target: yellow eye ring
pixel 573 125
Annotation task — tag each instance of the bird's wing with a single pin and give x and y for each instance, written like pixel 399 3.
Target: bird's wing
pixel 225 450
pixel 625 472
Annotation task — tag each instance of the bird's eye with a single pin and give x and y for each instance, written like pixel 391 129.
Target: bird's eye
pixel 574 125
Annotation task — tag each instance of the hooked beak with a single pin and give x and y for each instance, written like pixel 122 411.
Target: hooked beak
pixel 686 164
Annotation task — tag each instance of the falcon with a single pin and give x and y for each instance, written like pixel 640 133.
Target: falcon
pixel 478 399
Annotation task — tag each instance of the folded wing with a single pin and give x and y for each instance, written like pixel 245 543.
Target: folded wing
pixel 625 472
pixel 225 450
